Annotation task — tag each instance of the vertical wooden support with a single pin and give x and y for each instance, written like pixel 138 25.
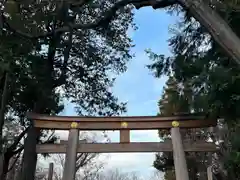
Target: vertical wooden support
pixel 180 163
pixel 209 173
pixel 50 171
pixel 71 154
pixel 124 136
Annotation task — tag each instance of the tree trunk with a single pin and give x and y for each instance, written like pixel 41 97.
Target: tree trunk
pixel 11 173
pixel 2 113
pixel 1 164
pixel 30 155
pixel 19 166
pixel 5 167
pixel 216 26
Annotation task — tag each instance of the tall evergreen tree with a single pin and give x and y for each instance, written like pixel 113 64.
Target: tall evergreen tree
pixel 178 98
pixel 198 60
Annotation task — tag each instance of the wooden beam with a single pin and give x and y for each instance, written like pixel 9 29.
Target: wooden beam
pixel 69 171
pixel 127 147
pixel 80 119
pixel 124 136
pixel 180 162
pixel 50 171
pixel 209 173
pixel 80 141
pixel 141 125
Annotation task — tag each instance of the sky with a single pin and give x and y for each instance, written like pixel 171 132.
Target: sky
pixel 139 88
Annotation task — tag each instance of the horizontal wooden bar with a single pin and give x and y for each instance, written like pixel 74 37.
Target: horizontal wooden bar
pixel 66 125
pixel 43 117
pixel 126 147
pixel 82 141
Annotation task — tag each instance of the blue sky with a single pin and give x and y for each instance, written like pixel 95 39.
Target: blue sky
pixel 139 88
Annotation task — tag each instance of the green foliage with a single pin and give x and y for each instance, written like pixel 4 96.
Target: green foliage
pixel 47 66
pixel 169 175
pixel 41 66
pixel 200 63
pixel 80 62
pixel 179 99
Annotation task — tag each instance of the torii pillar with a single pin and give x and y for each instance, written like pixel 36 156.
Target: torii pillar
pixel 180 163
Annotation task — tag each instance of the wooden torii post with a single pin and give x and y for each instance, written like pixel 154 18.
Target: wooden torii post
pixel 124 124
pixel 50 171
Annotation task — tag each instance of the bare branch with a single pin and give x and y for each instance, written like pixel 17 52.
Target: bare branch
pixel 17 140
pixel 14 162
pixel 19 150
pixel 86 158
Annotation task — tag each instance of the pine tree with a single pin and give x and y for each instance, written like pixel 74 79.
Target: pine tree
pixel 168 104
pixel 178 98
pixel 214 78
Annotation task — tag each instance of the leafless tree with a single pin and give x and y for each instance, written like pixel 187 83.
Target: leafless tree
pixel 157 175
pixel 41 173
pixel 86 165
pixel 118 175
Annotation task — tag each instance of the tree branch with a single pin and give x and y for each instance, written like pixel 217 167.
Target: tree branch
pixel 105 20
pixel 10 28
pixel 80 3
pixel 61 80
pixel 106 17
pixel 17 140
pixel 3 105
pixel 14 162
pixel 155 3
pixel 223 6
pixel 18 150
pixel 49 139
pixel 87 157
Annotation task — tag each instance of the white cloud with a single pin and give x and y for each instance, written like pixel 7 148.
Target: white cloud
pixel 130 161
pixel 142 91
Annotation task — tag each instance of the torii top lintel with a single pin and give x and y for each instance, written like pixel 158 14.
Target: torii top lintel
pixel 120 122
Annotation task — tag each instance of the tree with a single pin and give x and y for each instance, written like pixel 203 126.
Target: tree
pixel 199 61
pixel 156 175
pixel 86 165
pixel 215 24
pixel 116 174
pixel 77 61
pixel 64 43
pixel 168 104
pixel 177 98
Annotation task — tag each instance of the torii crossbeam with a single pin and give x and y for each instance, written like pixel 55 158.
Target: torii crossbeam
pixel 124 124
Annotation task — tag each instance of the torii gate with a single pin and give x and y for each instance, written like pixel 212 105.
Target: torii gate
pixel 124 124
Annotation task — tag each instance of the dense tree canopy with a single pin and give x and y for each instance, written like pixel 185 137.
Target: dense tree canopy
pixel 51 51
pixel 178 99
pixel 46 66
pixel 197 61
